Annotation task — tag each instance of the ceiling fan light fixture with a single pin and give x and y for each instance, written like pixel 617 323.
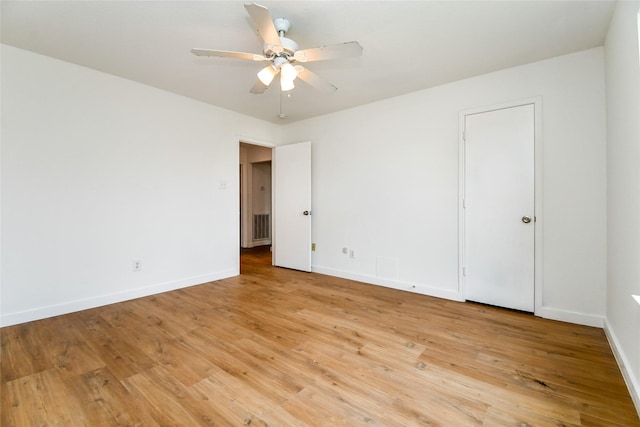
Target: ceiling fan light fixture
pixel 286 85
pixel 267 74
pixel 288 71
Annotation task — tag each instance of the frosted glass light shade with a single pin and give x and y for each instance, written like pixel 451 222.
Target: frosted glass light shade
pixel 285 84
pixel 288 71
pixel 267 74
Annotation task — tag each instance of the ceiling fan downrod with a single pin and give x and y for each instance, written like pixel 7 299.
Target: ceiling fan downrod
pixel 282 26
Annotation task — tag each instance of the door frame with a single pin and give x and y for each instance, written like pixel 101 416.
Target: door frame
pixel 539 220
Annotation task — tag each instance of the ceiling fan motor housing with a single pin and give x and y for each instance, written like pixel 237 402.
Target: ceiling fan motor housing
pixel 287 47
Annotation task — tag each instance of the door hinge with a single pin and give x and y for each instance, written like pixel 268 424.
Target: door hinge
pixel 464 271
pixel 464 203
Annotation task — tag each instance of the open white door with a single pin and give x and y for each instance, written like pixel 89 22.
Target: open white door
pixel 499 207
pixel 292 206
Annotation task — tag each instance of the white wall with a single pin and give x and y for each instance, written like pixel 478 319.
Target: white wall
pixel 261 188
pixel 385 183
pixel 623 173
pixel 98 171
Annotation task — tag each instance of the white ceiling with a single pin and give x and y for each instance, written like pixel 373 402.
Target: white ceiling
pixel 408 45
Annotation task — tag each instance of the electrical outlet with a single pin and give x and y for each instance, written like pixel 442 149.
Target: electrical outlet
pixel 136 265
pixel 345 250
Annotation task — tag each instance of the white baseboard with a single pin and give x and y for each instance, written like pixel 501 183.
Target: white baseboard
pixel 255 243
pixel 544 312
pixel 623 364
pixel 390 283
pixel 570 317
pixel 15 318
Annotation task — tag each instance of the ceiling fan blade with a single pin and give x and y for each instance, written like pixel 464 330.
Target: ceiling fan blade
pixel 228 54
pixel 334 51
pixel 258 88
pixel 314 80
pixel 264 22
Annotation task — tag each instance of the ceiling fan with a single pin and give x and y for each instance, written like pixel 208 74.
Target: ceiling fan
pixel 284 54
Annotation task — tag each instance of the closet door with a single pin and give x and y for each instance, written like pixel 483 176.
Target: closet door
pixel 499 203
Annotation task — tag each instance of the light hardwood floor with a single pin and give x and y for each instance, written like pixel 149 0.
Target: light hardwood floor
pixel 283 348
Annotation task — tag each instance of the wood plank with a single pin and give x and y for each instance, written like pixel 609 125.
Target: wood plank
pixel 22 352
pixel 105 401
pixel 40 399
pixel 114 348
pixel 169 402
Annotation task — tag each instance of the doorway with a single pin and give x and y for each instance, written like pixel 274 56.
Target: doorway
pixel 275 202
pixel 255 200
pixel 498 206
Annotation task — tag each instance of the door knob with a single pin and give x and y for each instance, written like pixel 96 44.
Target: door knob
pixel 526 219
pixel 306 213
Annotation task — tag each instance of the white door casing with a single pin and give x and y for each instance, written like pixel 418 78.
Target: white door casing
pixel 291 169
pixel 498 265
